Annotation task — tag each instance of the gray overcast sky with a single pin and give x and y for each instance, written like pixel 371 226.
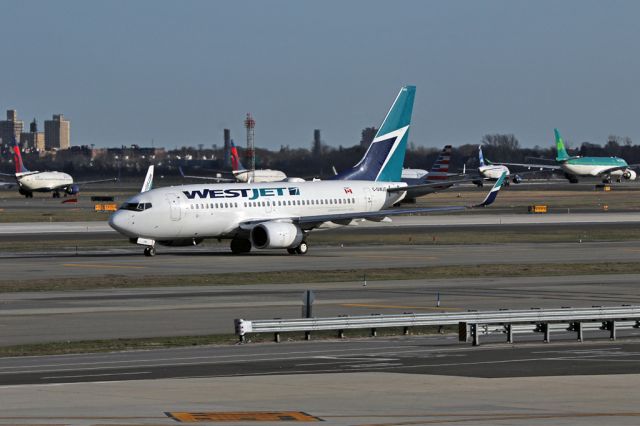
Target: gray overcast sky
pixel 179 72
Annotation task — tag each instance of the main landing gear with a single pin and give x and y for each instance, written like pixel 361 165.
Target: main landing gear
pixel 56 194
pixel 240 246
pixel 303 248
pixel 149 251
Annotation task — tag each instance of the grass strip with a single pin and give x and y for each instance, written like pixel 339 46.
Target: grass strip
pixel 319 276
pixel 148 343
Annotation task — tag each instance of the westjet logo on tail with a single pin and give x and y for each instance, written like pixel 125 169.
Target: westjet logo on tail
pixel 250 193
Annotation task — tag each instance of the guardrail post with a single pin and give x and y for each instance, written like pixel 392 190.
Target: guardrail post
pixel 580 331
pixel 612 329
pixel 307 335
pixel 238 324
pixel 509 333
pixel 547 332
pixel 463 332
pixel 276 337
pixel 475 335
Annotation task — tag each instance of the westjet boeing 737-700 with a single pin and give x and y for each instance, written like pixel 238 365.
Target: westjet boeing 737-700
pixel 280 214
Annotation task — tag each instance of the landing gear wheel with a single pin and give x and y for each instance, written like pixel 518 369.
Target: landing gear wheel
pixel 149 251
pixel 56 195
pixel 240 246
pixel 303 248
pixel 291 251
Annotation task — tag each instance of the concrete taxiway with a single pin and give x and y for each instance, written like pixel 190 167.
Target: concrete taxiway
pixel 410 381
pixel 217 259
pixel 178 311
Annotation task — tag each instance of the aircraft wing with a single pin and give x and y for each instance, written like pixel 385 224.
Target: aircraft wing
pixel 213 178
pixel 309 222
pixel 540 167
pixel 444 184
pixel 86 182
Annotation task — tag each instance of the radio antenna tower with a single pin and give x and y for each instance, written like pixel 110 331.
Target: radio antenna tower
pixel 250 124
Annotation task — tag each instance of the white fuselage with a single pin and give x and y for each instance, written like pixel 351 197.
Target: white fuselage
pixel 493 172
pixel 589 169
pixel 218 210
pixel 43 181
pixel 261 175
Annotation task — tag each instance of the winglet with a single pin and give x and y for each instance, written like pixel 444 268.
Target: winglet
pixel 493 194
pixel 148 180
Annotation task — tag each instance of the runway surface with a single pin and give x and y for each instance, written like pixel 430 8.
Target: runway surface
pixel 217 259
pixel 180 311
pixel 441 355
pixel 431 220
pixel 413 381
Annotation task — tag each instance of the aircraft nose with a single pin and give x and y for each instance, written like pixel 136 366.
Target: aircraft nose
pixel 120 222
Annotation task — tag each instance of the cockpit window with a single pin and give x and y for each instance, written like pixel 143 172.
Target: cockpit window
pixel 136 207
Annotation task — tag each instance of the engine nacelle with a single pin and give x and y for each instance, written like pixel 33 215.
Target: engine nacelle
pixel 276 235
pixel 72 189
pixel 630 174
pixel 183 242
pixel 516 179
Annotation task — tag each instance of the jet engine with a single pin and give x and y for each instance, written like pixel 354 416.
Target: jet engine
pixel 72 189
pixel 630 174
pixel 276 235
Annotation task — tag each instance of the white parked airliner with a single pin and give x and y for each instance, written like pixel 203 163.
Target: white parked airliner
pixel 280 214
pixel 55 182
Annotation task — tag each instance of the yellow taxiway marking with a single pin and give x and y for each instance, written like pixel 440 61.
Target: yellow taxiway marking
pixel 101 265
pixel 430 308
pixel 403 257
pixel 243 416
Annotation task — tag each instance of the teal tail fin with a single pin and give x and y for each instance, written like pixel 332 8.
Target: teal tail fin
pixel 385 156
pixel 561 152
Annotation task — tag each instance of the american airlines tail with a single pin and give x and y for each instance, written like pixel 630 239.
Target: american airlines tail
pixel 440 169
pixel 17 158
pixel 384 158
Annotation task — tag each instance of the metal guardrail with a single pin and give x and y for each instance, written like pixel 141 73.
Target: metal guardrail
pixel 471 324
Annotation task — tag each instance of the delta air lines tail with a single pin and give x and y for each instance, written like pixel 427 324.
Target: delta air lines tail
pixel 384 158
pixel 17 159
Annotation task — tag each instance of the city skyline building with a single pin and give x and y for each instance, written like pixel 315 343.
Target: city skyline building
pixel 33 139
pixel 57 133
pixel 11 128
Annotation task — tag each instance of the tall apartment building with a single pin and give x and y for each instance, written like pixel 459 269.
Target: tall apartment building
pixel 57 133
pixel 33 140
pixel 11 128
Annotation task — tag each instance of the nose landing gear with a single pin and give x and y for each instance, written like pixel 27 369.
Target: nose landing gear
pixel 149 251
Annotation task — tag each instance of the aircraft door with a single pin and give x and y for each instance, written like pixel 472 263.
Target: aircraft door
pixel 174 206
pixel 368 198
